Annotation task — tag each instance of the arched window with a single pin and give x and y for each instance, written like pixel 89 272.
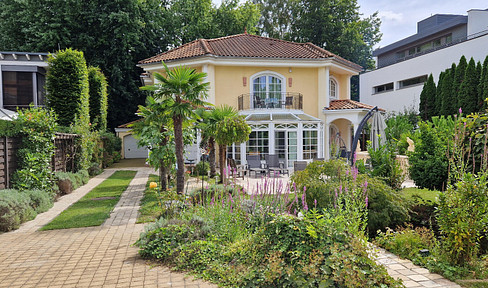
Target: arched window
pixel 267 90
pixel 333 89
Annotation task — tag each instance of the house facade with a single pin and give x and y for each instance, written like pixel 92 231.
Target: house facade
pixel 22 79
pixel 295 96
pixel 403 66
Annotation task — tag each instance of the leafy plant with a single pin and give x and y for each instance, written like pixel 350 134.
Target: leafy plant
pixel 37 127
pixel 385 165
pixel 15 208
pixel 98 99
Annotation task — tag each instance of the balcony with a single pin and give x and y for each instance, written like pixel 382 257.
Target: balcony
pixel 271 100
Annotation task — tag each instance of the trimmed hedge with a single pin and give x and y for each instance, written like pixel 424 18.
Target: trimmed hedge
pixel 98 99
pixel 72 181
pixel 67 87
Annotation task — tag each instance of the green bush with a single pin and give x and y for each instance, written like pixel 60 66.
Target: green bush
pixel 94 169
pixel 428 164
pixel 67 87
pixel 201 168
pixel 77 179
pixel 385 166
pixel 15 208
pixel 322 180
pixel 407 242
pixel 37 127
pixel 98 99
pixel 41 201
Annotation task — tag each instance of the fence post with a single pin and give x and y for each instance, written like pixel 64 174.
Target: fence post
pixel 7 176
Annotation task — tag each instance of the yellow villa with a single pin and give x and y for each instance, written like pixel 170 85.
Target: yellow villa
pixel 295 96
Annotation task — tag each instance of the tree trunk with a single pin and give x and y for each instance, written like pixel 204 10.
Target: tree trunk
pixel 180 173
pixel 222 162
pixel 211 157
pixel 163 170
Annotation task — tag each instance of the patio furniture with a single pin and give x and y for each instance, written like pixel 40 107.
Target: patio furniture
pixel 299 165
pixel 254 165
pixel 237 171
pixel 258 103
pixel 273 165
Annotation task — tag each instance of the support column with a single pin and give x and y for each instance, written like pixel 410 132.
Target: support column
pixel 210 70
pixel 1 88
pixel 271 137
pixel 348 87
pixel 34 89
pixel 300 142
pixel 323 89
pixel 326 141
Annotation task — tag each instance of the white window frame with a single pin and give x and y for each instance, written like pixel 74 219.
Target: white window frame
pixel 333 80
pixel 268 73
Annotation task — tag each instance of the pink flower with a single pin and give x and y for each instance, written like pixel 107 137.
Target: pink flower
pixel 366 200
pixel 460 110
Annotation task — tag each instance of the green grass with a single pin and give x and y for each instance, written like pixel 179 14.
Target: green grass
pixel 428 195
pixel 473 283
pixel 90 212
pixel 149 210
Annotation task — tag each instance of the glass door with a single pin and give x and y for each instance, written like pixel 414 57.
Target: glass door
pixel 292 147
pixel 266 92
pixel 280 146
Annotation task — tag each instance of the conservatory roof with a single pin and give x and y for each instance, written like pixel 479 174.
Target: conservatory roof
pixel 280 116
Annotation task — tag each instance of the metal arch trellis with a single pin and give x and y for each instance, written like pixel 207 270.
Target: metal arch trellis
pixel 358 133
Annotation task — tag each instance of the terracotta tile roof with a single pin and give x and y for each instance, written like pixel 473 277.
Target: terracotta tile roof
pixel 247 46
pixel 348 104
pixel 126 125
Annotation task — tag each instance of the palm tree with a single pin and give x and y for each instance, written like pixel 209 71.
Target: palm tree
pixel 181 91
pixel 229 128
pixel 209 127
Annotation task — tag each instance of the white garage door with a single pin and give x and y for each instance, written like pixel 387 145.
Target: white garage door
pixel 131 150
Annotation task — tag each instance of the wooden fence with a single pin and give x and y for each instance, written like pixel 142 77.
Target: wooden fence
pixel 63 160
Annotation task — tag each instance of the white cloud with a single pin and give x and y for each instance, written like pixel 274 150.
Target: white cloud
pixel 390 16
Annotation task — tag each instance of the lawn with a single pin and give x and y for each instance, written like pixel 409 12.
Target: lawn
pixel 149 210
pixel 426 194
pixel 95 207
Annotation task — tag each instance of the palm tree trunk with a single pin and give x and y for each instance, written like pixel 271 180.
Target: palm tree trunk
pixel 163 170
pixel 222 162
pixel 180 173
pixel 211 157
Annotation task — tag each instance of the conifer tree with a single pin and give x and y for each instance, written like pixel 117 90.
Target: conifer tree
pixel 458 80
pixel 468 91
pixel 427 99
pixel 483 86
pixel 447 103
pixel 438 95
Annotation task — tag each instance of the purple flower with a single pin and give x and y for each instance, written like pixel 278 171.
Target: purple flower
pixel 366 200
pixel 460 110
pixel 315 203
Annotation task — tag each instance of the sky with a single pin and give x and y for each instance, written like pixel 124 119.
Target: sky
pixel 399 17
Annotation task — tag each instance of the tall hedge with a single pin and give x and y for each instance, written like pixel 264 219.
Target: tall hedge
pixel 67 87
pixel 98 99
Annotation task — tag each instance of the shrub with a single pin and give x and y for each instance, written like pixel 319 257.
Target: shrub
pixel 407 242
pixel 94 169
pixel 322 180
pixel 385 165
pixel 15 209
pixel 428 163
pixel 37 127
pixel 72 180
pixel 201 168
pixel 98 99
pixel 41 201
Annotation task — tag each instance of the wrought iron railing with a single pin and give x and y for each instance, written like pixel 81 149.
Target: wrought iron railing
pixel 271 100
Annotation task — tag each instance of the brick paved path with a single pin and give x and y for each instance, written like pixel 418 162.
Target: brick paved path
pixel 85 257
pixel 412 275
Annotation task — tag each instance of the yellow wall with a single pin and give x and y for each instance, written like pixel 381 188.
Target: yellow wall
pixel 229 84
pixel 344 128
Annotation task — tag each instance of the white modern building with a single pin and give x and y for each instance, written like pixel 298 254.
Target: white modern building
pixel 403 67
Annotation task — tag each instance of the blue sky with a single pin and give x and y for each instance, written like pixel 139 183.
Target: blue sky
pixel 400 17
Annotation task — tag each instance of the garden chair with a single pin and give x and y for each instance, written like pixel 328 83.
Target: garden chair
pixel 236 170
pixel 254 165
pixel 273 165
pixel 299 165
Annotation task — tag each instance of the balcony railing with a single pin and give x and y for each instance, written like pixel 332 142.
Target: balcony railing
pixel 271 100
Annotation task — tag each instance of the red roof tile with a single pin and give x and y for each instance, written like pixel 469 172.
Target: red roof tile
pixel 247 46
pixel 348 104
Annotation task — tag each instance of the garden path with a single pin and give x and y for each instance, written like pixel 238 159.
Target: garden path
pixel 86 257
